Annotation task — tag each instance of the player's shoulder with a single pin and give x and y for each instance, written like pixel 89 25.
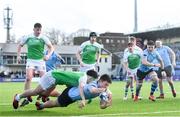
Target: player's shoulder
pixel 27 36
pixel 98 45
pixel 145 52
pixel 85 43
pixel 138 48
pixel 166 47
pixel 126 50
pixel 43 37
pixel 94 83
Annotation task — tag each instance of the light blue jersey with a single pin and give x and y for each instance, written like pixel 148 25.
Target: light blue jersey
pixel 151 57
pixel 164 53
pixel 74 93
pixel 52 61
pixel 156 62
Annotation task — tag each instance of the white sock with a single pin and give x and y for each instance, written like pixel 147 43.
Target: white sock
pixel 17 97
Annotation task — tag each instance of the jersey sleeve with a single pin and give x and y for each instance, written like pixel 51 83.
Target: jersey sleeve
pixel 168 49
pixel 82 46
pixel 46 40
pixel 140 53
pixel 144 55
pixel 23 40
pixel 92 85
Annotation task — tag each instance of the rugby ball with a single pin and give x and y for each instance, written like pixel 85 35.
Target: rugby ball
pixel 103 96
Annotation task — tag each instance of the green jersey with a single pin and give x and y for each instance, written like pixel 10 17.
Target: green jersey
pixel 35 46
pixel 69 78
pixel 89 52
pixel 133 59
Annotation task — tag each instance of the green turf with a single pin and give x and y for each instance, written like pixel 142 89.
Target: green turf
pixel 168 107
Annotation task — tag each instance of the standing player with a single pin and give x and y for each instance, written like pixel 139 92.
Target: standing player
pixel 147 69
pixel 88 54
pixel 72 94
pixel 169 59
pixel 132 61
pixel 35 57
pixel 49 81
pixel 133 41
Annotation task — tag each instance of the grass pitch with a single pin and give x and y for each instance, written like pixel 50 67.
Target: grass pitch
pixel 169 106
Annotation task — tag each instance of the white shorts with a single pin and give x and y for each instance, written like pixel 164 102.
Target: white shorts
pixel 38 65
pixel 131 73
pixel 87 67
pixel 47 81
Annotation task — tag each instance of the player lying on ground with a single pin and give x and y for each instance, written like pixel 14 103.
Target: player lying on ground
pixel 52 78
pixel 72 94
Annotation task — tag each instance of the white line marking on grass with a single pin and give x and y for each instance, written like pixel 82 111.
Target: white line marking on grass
pixel 7 104
pixel 115 114
pixel 126 114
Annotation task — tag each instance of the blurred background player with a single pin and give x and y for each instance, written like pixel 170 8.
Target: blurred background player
pixel 169 59
pixel 147 69
pixel 35 54
pixel 131 62
pixel 133 41
pixel 88 54
pixel 54 60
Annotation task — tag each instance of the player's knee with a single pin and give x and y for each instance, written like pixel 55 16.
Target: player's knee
pixel 128 82
pixel 28 79
pixel 160 80
pixel 155 83
pixel 169 79
pixel 154 77
pixel 170 82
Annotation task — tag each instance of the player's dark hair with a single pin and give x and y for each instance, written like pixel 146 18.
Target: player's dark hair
pixel 37 25
pixel 105 77
pixel 92 34
pixel 92 73
pixel 151 43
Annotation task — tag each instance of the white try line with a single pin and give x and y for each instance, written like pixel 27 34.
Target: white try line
pixel 7 104
pixel 115 114
pixel 130 114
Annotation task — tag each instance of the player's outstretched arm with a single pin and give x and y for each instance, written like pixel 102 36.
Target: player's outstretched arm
pixel 83 100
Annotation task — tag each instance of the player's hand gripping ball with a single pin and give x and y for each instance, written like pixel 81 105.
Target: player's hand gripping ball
pixel 103 100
